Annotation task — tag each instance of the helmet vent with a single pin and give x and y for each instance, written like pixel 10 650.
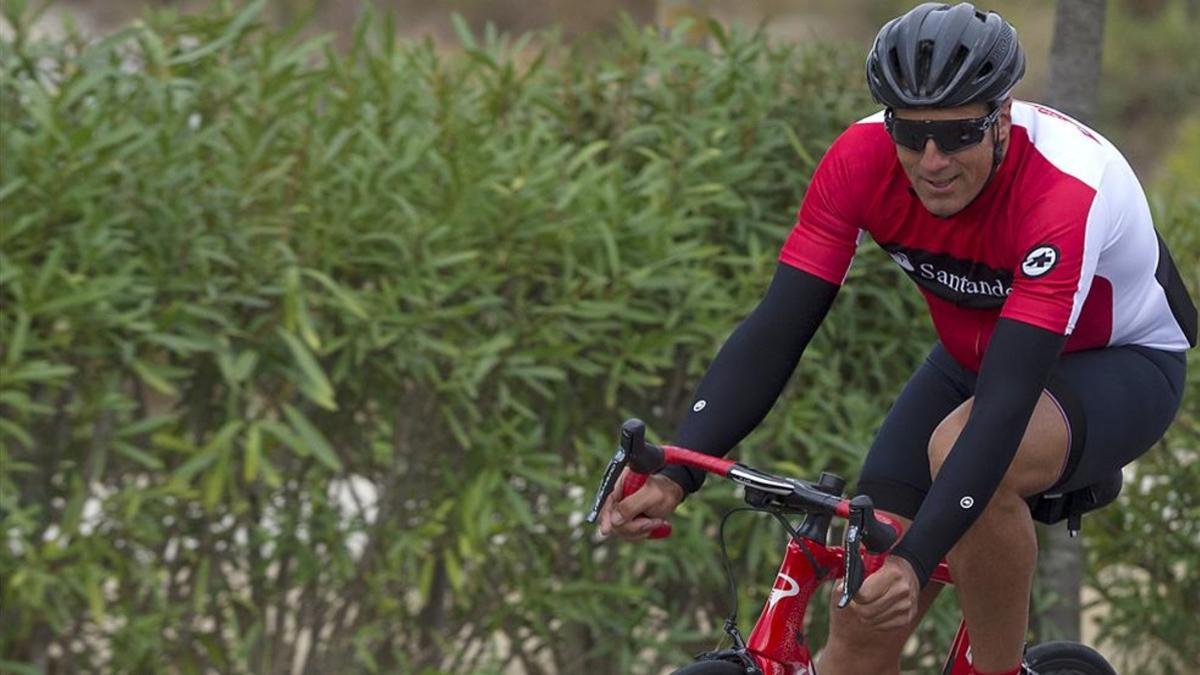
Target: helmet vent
pixel 924 61
pixel 897 71
pixel 956 62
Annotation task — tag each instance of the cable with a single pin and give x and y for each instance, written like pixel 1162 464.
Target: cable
pixel 729 567
pixel 792 533
pixel 812 560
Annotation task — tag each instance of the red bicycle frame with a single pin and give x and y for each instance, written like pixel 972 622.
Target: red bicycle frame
pixel 777 643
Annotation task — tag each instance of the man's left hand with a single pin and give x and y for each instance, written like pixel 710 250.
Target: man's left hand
pixel 888 598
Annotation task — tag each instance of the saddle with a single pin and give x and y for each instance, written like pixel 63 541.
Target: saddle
pixel 1051 508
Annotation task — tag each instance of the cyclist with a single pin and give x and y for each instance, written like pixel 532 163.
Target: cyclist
pixel 1062 328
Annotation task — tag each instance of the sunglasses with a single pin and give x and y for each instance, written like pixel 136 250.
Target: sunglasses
pixel 949 135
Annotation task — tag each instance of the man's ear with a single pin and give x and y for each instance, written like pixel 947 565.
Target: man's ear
pixel 1004 123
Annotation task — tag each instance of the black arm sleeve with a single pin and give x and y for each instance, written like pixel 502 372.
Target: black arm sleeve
pixel 1018 362
pixel 752 367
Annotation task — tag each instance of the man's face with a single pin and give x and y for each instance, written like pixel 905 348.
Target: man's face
pixel 946 182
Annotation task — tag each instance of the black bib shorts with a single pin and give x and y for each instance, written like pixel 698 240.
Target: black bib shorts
pixel 1118 402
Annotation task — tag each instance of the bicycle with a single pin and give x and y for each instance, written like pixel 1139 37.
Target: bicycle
pixel 776 645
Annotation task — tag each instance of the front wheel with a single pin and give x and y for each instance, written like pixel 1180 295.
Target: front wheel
pixel 1066 658
pixel 711 668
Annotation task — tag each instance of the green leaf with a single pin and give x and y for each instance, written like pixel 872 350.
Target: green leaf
pixel 215 448
pixel 453 259
pixel 15 668
pixel 314 384
pixel 16 342
pixel 213 485
pixel 180 344
pixel 231 33
pixel 88 295
pixel 237 369
pixel 463 31
pixel 425 579
pixel 154 375
pixel 583 156
pixel 438 346
pixel 284 434
pixel 12 187
pixel 314 440
pixel 454 571
pixel 197 463
pixel 143 458
pixel 344 296
pixel 146 425
pixel 14 430
pixel 252 458
pixel 73 511
pixel 94 595
pixel 550 373
pixel 223 439
pixel 38 371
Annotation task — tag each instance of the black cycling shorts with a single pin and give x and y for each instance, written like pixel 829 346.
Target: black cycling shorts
pixel 1118 403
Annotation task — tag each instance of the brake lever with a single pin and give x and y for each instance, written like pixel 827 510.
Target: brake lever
pixel 643 458
pixel 608 482
pixel 854 568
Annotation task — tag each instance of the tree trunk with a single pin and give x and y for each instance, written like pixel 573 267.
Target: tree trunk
pixel 1060 575
pixel 1074 81
pixel 1075 58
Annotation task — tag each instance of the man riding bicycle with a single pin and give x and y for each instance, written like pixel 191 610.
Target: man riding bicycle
pixel 1062 329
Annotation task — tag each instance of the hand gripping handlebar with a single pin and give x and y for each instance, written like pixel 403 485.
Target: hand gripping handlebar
pixel 789 494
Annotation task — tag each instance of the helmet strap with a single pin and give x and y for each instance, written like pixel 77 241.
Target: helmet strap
pixel 997 151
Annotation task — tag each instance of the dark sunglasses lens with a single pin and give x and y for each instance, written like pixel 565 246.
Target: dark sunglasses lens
pixel 955 136
pixel 909 134
pixel 950 136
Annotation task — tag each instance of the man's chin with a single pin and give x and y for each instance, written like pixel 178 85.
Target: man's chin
pixel 941 206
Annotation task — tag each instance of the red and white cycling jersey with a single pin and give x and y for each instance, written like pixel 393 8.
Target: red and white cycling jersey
pixel 1060 238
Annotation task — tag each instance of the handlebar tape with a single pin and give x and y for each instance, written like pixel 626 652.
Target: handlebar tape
pixel 634 482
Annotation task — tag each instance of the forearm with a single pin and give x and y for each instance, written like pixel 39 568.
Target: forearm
pixel 752 367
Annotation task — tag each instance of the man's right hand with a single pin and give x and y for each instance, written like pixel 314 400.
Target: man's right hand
pixel 635 516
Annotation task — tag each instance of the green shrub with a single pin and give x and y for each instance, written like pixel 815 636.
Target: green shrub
pixel 244 276
pixel 1145 553
pixel 315 357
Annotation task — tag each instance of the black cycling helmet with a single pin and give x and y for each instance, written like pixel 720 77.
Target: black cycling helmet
pixel 940 56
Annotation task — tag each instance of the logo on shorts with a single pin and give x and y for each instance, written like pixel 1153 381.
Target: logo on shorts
pixel 1040 260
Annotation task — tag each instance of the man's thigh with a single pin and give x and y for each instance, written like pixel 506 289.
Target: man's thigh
pixel 1119 402
pixel 895 473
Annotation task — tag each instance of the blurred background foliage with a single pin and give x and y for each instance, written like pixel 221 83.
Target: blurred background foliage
pixel 1151 79
pixel 312 345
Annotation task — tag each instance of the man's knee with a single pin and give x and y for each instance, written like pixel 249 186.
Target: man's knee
pixel 1039 458
pixel 854 647
pixel 942 440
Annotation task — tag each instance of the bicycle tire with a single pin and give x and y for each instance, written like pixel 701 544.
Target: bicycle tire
pixel 1067 658
pixel 711 668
